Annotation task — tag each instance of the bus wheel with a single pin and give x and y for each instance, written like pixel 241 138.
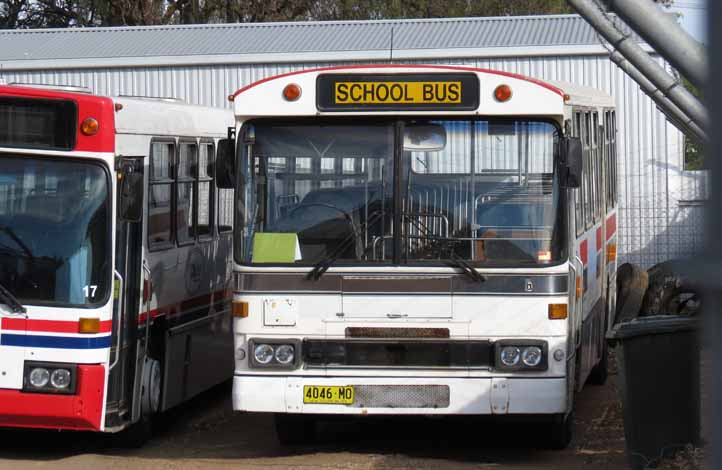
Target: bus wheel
pixel 600 372
pixel 560 431
pixel 295 429
pixel 140 432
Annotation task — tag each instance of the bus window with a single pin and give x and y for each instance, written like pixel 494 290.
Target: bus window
pixel 187 167
pixel 578 206
pixel 159 202
pixel 596 166
pixel 586 186
pixel 614 156
pixel 205 191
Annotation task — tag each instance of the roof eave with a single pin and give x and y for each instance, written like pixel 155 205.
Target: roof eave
pixel 308 57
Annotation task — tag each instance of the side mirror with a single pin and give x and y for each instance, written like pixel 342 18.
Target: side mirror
pixel 131 195
pixel 225 167
pixel 424 138
pixel 571 170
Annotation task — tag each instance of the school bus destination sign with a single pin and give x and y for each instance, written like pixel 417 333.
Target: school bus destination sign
pixel 406 92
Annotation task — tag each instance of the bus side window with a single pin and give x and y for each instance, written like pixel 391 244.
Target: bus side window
pixel 578 206
pixel 185 189
pixel 596 166
pixel 160 191
pixel 586 186
pixel 206 185
pixel 225 210
pixel 613 144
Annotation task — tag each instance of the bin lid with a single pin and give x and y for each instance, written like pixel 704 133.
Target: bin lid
pixel 653 325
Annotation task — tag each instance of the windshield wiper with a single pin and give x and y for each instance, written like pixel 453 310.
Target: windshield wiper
pixel 458 262
pixel 17 239
pixel 322 266
pixel 11 301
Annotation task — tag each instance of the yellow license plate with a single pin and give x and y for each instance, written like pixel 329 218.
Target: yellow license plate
pixel 397 93
pixel 328 395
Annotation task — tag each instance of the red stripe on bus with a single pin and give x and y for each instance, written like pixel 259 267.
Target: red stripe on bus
pixel 48 326
pixel 81 411
pixel 185 304
pixel 546 85
pixel 599 238
pixel 583 252
pixel 611 226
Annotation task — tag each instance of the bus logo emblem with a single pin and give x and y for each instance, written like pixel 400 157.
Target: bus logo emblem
pixel 529 286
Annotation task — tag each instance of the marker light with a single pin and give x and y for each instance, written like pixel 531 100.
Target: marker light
pixel 579 286
pixel 502 93
pixel 611 252
pixel 292 92
pixel 239 309
pixel 89 325
pixel 89 126
pixel 557 311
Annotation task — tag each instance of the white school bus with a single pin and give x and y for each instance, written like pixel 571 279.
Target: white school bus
pixel 420 240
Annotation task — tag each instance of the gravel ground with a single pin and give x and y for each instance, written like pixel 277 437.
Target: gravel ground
pixel 205 433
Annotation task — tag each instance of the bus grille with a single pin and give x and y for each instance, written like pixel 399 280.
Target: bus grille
pixel 401 396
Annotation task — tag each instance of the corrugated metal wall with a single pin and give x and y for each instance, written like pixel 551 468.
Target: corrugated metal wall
pixel 654 225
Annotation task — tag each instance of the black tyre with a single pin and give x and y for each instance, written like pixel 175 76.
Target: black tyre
pixel 560 431
pixel 632 283
pixel 670 291
pixel 295 429
pixel 136 435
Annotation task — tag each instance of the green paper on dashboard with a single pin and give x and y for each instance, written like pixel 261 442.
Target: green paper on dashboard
pixel 276 248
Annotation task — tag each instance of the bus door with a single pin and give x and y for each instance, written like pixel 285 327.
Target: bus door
pixel 132 292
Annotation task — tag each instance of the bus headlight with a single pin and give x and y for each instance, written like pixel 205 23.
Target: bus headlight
pixel 39 377
pixel 531 356
pixel 284 354
pixel 48 377
pixel 510 356
pixel 60 378
pixel 274 353
pixel 521 355
pixel 263 353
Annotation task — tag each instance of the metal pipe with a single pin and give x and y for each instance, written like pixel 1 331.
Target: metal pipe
pixel 713 253
pixel 654 72
pixel 661 32
pixel 673 113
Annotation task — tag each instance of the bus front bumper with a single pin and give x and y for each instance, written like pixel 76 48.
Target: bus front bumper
pixel 81 411
pixel 405 396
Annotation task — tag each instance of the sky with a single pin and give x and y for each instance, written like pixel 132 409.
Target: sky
pixel 694 17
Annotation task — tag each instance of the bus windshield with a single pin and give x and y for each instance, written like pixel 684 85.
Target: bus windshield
pixel 54 231
pixel 482 191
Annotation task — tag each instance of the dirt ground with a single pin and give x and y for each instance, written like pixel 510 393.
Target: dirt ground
pixel 205 433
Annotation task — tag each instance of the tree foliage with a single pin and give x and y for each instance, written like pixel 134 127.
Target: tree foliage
pixel 82 13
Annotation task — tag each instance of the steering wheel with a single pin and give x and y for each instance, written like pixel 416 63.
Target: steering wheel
pixel 346 215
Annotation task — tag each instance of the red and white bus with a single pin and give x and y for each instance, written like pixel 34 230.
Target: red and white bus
pixel 421 240
pixel 115 251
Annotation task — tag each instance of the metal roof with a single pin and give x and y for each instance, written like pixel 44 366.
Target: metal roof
pixel 266 42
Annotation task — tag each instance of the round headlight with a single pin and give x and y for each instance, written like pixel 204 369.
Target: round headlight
pixel 60 378
pixel 39 377
pixel 263 353
pixel 532 356
pixel 284 354
pixel 510 356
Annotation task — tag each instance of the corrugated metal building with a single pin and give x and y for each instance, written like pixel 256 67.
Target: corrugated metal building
pixel 660 217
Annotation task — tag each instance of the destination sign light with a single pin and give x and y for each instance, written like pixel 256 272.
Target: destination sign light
pixel 397 92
